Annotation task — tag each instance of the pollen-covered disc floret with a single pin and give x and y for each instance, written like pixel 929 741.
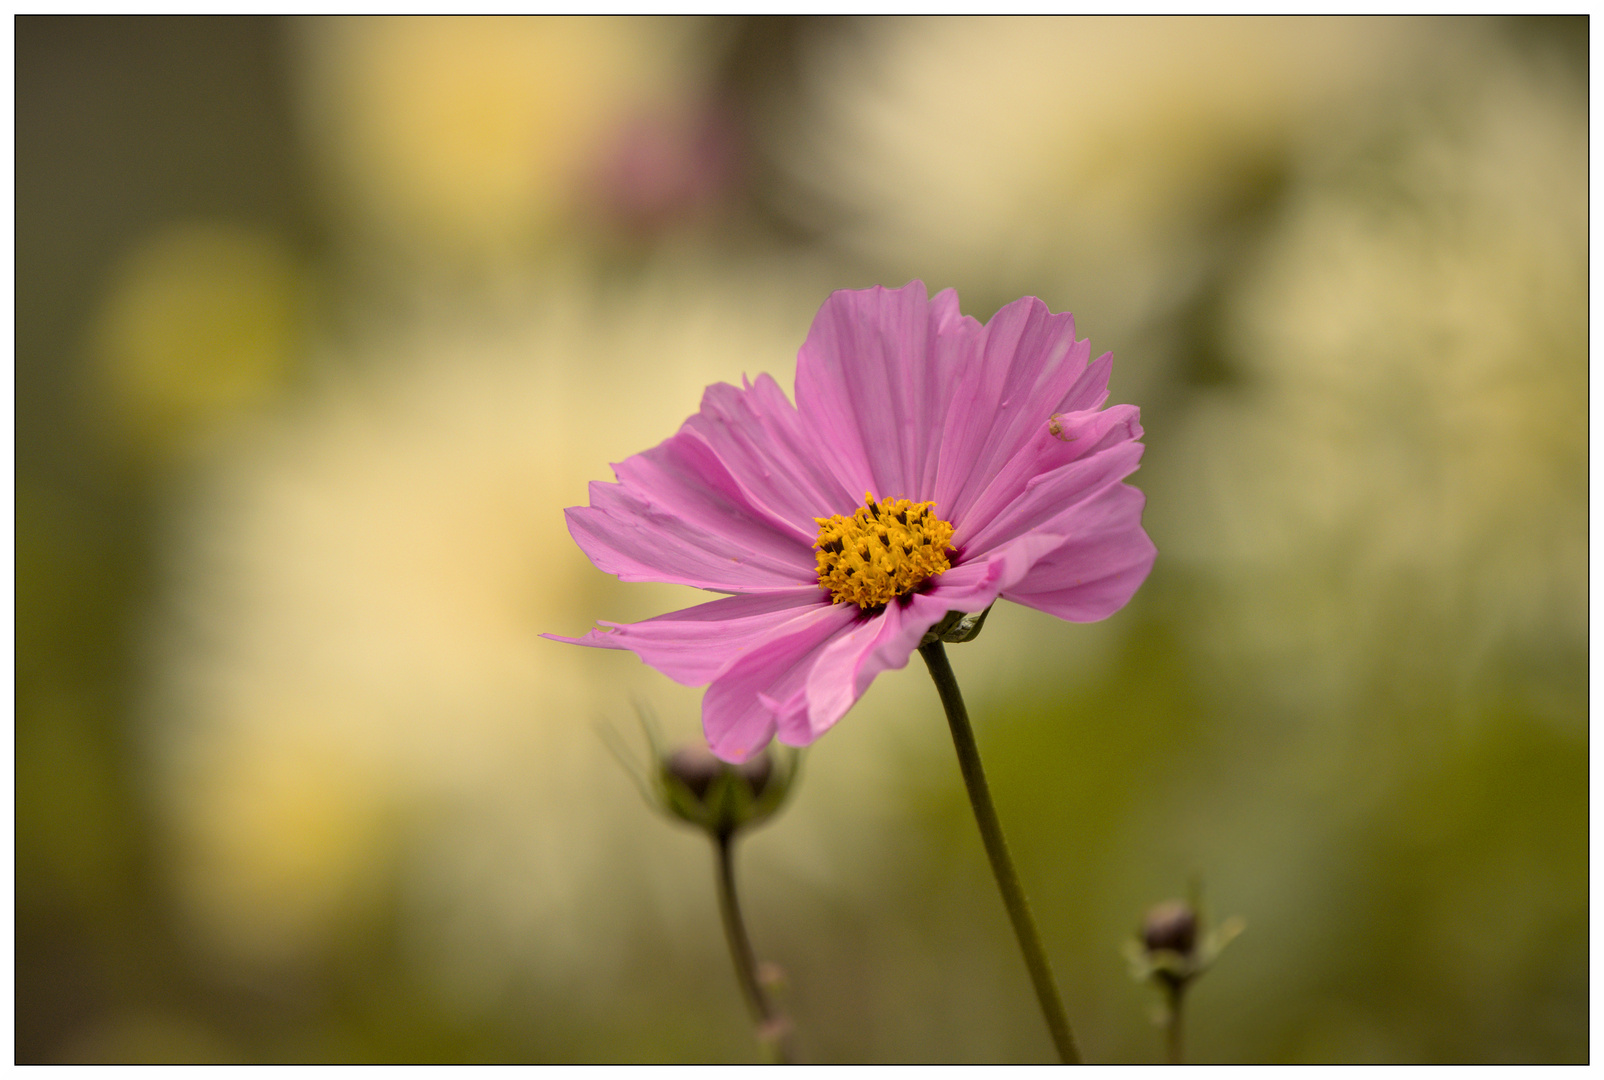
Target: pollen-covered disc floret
pixel 883 551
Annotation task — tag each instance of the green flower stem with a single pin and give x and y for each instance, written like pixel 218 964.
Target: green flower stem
pixel 771 1033
pixel 1172 1023
pixel 1002 864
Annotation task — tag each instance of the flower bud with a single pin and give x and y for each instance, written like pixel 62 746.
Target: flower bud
pixel 1176 945
pixel 1171 925
pixel 697 768
pixel 722 798
pixel 694 767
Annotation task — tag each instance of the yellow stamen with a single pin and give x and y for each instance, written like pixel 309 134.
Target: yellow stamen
pixel 883 551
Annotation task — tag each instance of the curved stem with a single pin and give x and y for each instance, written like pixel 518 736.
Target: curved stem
pixel 770 1025
pixel 1002 864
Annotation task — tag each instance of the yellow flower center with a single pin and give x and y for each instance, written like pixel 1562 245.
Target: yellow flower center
pixel 883 551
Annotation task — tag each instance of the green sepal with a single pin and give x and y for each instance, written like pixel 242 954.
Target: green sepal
pixel 957 627
pixel 730 804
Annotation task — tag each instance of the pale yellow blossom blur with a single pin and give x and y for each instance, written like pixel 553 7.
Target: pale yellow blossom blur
pixel 477 137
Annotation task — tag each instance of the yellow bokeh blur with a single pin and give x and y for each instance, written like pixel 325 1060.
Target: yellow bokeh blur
pixel 199 325
pixel 477 137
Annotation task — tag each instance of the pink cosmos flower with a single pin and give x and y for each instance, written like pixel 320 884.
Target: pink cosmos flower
pixel 930 465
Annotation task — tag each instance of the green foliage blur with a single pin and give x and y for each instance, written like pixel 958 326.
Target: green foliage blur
pixel 321 323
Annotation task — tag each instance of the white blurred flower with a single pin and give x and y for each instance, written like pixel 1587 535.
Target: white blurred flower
pixel 1089 159
pixel 1400 485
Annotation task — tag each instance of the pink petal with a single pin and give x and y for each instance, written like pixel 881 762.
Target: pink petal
pixel 1060 440
pixel 790 716
pixel 846 668
pixel 759 438
pixel 1091 389
pixel 1052 502
pixel 1099 565
pixel 978 582
pixel 677 515
pixel 1030 361
pixel 874 382
pixel 692 646
pixel 738 714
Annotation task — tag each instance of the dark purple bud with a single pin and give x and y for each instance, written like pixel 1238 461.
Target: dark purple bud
pixel 1171 926
pixel 695 767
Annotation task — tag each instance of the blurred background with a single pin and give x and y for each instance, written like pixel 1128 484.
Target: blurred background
pixel 320 324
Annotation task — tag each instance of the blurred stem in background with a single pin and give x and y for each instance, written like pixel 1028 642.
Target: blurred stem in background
pixel 1002 864
pixel 722 799
pixel 772 1028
